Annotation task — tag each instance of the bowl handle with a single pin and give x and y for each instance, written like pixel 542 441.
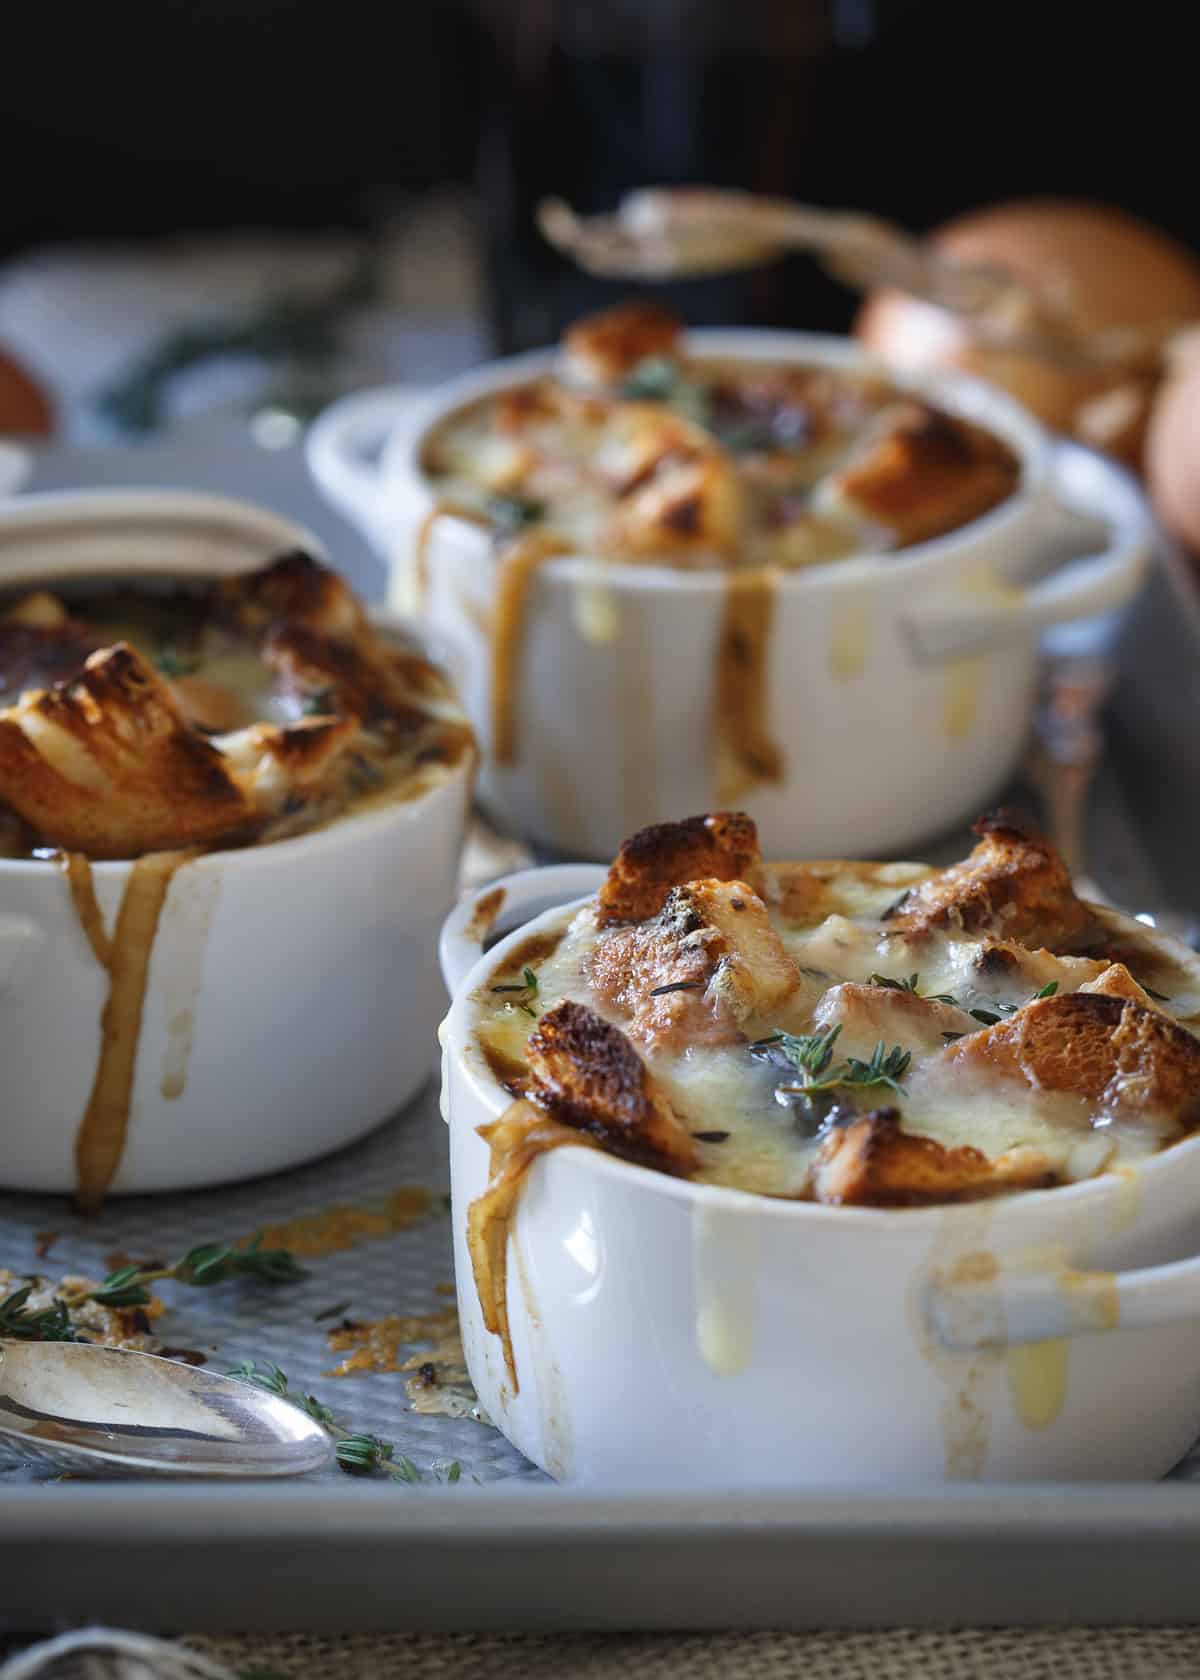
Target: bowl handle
pixel 498 909
pixel 1037 1307
pixel 1088 494
pixel 342 448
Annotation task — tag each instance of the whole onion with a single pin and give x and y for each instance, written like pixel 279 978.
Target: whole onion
pixel 1173 450
pixel 1105 267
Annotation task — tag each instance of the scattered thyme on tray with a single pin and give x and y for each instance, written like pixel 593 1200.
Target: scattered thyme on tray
pixel 358 1454
pixel 203 1266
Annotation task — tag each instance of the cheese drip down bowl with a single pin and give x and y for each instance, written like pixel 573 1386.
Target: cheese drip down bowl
pixel 210 1013
pixel 852 707
pixel 666 1332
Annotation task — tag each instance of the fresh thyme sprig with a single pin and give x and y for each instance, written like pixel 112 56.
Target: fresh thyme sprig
pixel 812 1053
pixel 21 1323
pixel 356 1454
pixel 528 991
pixel 201 1267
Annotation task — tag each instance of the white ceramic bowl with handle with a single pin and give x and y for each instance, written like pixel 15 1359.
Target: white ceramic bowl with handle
pixel 901 686
pixel 676 1335
pixel 292 993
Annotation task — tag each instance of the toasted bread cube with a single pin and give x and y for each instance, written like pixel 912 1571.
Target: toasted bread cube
pixel 107 765
pixel 866 1014
pixel 1014 885
pixel 924 473
pixel 1105 1048
pixel 722 846
pixel 603 349
pixel 587 1074
pixel 872 1163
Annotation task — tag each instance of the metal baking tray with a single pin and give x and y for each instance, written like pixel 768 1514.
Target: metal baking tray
pixel 501 1547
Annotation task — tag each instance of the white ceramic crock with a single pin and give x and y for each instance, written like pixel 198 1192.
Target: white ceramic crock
pixel 292 990
pixel 675 1335
pixel 901 687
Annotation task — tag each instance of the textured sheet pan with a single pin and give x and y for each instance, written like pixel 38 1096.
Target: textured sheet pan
pixel 501 1547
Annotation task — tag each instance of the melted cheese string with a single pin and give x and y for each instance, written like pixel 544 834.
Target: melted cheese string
pixel 421 542
pixel 518 563
pixel 521 1134
pixel 746 752
pixel 100 1140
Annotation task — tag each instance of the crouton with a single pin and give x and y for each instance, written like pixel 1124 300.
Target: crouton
pixel 872 1163
pixel 603 349
pixel 708 961
pixel 107 765
pixel 722 846
pixel 587 1075
pixel 1013 885
pixel 1107 1049
pixel 867 1014
pixel 925 473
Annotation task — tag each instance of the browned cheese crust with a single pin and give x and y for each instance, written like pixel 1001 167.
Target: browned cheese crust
pixel 1013 885
pixel 588 1076
pixel 872 1163
pixel 723 846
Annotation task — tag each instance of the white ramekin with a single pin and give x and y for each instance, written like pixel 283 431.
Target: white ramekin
pixel 676 1335
pixel 293 990
pixel 901 687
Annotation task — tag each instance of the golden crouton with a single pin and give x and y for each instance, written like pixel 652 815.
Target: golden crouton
pixel 708 961
pixel 1104 1048
pixel 872 1163
pixel 603 349
pixel 588 1076
pixel 1014 885
pixel 927 473
pixel 677 493
pixel 866 1014
pixel 106 765
pixel 722 846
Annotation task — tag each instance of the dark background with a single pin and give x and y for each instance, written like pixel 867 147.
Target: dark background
pixel 149 117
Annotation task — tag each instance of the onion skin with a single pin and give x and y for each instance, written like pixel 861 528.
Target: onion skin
pixel 25 409
pixel 1116 270
pixel 1173 454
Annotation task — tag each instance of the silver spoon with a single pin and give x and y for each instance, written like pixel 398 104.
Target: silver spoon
pixel 105 1411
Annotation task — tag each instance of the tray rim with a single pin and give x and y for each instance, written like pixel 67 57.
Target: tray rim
pixel 374 1559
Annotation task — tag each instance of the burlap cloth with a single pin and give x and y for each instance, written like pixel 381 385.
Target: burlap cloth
pixel 904 1654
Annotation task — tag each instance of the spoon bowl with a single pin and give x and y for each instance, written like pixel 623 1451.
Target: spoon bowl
pixel 108 1411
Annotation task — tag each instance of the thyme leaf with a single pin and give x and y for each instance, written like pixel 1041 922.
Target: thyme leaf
pixel 21 1323
pixel 201 1267
pixel 356 1453
pixel 527 991
pixel 676 986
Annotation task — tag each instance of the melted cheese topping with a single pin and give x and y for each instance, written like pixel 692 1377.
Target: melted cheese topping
pixel 705 461
pixel 831 921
